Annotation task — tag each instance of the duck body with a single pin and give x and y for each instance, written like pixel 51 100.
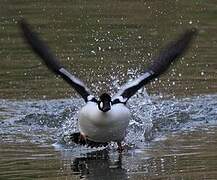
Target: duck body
pixel 99 126
pixel 106 118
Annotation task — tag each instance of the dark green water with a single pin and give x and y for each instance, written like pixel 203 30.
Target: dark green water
pixel 105 43
pixel 100 40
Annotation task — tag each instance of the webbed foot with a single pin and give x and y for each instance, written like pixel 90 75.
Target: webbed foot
pixel 82 139
pixel 120 147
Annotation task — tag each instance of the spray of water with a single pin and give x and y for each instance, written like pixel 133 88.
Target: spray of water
pixel 50 121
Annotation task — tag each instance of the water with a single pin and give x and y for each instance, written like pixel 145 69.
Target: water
pixel 172 132
pixel 179 141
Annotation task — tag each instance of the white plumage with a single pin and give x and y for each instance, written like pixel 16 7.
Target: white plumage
pixel 101 126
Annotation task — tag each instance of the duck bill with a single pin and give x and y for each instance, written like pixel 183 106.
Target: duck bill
pixel 106 106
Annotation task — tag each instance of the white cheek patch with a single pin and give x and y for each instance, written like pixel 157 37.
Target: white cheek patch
pixel 101 105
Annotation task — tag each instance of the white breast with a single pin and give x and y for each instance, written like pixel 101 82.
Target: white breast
pixel 104 127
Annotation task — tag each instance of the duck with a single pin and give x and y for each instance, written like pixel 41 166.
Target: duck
pixel 105 119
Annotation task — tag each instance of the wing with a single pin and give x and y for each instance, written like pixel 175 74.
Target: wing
pixel 160 64
pixel 42 50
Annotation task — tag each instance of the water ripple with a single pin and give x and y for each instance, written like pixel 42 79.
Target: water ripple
pixel 52 120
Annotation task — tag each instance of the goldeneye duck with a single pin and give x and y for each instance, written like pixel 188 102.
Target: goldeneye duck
pixel 106 119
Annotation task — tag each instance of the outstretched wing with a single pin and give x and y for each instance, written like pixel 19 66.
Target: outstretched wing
pixel 42 50
pixel 160 64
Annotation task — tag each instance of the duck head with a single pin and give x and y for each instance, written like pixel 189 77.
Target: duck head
pixel 105 102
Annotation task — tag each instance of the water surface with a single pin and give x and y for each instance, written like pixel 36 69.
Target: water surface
pixel 172 133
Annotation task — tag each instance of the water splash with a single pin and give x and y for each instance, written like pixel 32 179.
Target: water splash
pixel 49 121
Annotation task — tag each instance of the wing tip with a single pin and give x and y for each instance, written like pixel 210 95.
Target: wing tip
pixel 173 51
pixel 192 32
pixel 22 22
pixel 188 36
pixel 28 35
pixel 25 27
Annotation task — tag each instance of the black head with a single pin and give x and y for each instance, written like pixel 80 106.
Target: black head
pixel 104 102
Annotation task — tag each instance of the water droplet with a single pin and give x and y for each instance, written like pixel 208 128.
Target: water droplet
pixel 139 37
pixel 202 73
pixel 190 22
pixel 93 52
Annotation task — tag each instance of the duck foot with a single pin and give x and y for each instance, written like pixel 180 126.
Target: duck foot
pixel 78 138
pixel 121 148
pixel 82 139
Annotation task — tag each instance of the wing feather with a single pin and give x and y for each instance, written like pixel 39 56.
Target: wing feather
pixel 160 64
pixel 43 51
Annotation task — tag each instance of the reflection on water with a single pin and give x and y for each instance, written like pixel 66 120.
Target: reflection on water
pixel 179 141
pixel 98 165
pixel 106 43
pixel 188 155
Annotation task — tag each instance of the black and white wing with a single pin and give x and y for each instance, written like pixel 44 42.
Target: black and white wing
pixel 42 50
pixel 160 64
